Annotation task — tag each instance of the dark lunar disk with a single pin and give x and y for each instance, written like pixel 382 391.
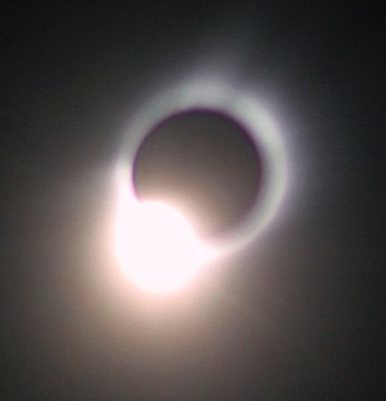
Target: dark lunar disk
pixel 203 162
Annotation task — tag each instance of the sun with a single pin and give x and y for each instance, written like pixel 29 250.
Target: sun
pixel 157 247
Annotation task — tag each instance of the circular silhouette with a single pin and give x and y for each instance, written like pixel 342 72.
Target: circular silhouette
pixel 205 163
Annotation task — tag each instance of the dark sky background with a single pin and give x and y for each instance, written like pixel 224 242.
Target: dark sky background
pixel 298 315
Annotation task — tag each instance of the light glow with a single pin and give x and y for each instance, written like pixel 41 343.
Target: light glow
pixel 157 247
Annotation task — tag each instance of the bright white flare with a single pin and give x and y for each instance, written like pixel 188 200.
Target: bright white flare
pixel 157 247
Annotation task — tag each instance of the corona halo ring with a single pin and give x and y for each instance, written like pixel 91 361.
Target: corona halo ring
pixel 242 107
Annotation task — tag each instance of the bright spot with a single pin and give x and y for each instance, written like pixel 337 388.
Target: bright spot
pixel 157 247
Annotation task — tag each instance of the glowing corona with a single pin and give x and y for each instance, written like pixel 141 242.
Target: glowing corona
pixel 133 226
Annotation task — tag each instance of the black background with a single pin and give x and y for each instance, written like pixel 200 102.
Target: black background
pixel 298 315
